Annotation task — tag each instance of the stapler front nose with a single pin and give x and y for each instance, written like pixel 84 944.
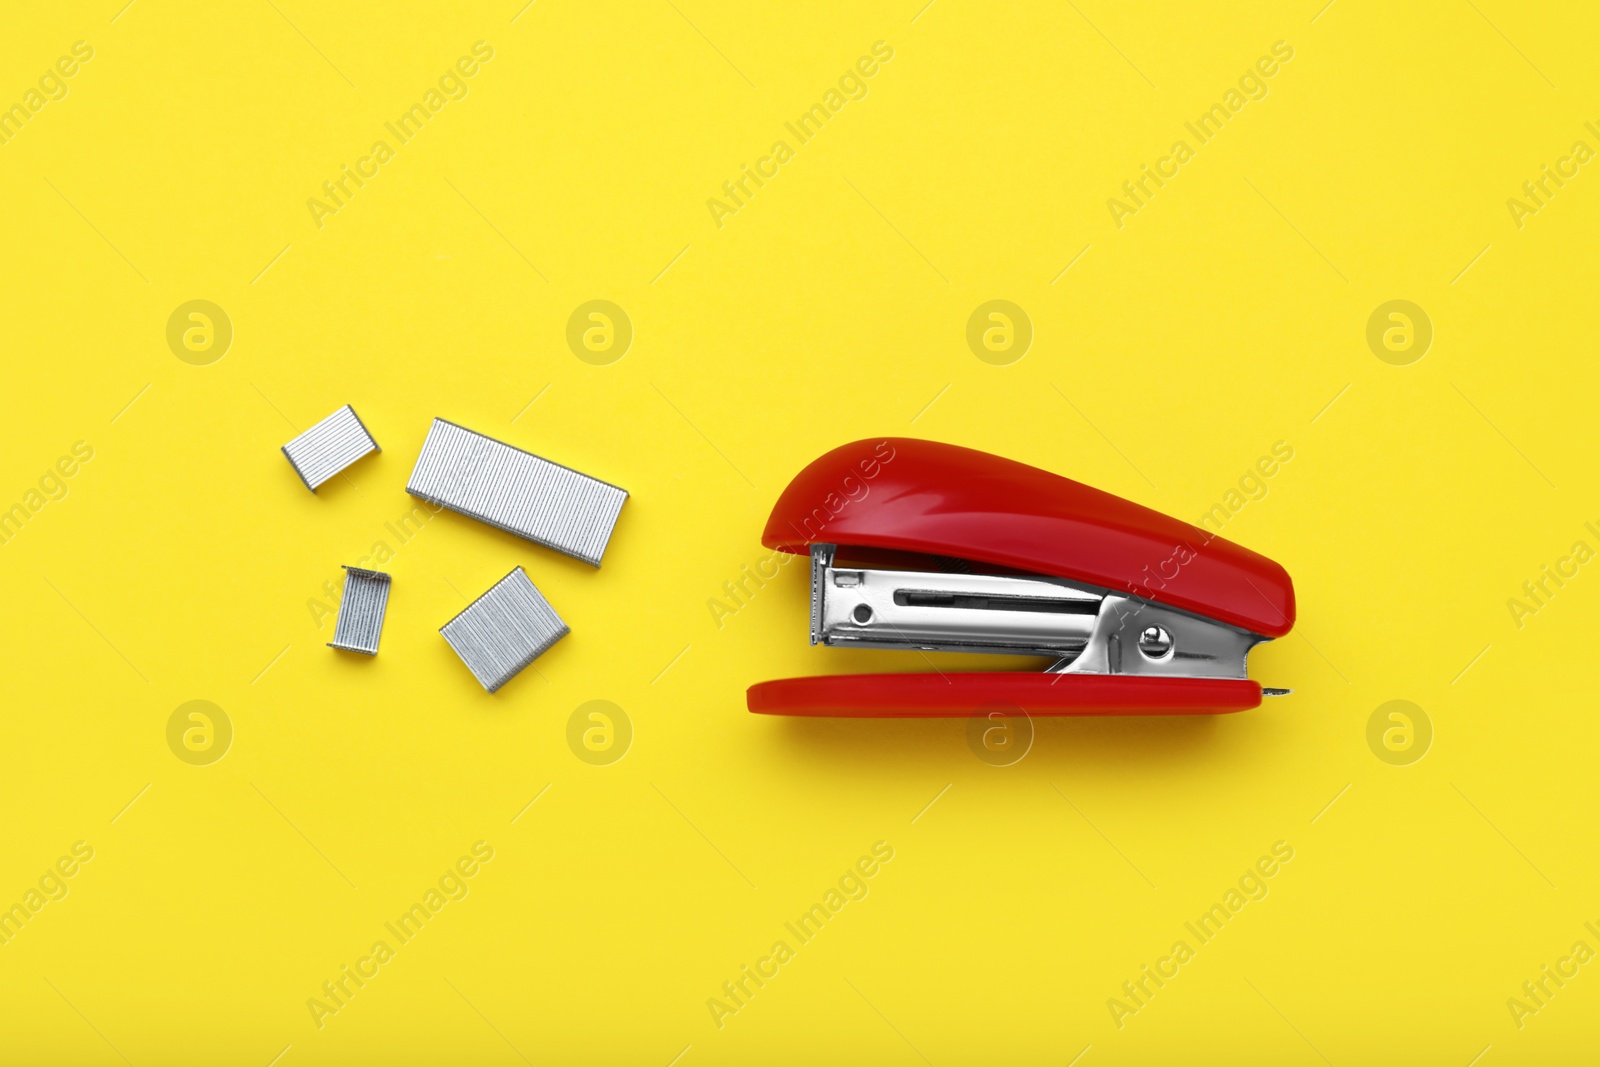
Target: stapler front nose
pixel 949 549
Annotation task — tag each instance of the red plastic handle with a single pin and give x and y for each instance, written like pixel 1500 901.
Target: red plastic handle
pixel 899 696
pixel 907 495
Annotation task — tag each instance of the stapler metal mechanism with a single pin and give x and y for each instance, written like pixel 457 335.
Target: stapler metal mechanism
pixel 928 546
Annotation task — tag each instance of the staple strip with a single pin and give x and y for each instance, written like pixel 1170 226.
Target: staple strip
pixel 516 491
pixel 361 609
pixel 504 630
pixel 329 447
pixel 821 560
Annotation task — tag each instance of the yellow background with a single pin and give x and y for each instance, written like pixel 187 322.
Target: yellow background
pixel 1224 317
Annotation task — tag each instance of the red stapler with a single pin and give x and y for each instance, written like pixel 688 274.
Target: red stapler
pixel 921 545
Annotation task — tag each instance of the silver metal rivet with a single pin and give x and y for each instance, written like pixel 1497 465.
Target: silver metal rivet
pixel 1155 642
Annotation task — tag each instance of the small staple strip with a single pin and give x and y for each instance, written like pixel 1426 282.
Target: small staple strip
pixel 504 630
pixel 329 447
pixel 516 491
pixel 361 611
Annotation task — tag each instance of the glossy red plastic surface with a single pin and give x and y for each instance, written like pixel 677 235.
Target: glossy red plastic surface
pixel 897 696
pixel 909 495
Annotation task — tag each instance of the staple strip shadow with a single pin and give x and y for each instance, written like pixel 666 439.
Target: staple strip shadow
pixel 516 491
pixel 329 447
pixel 366 598
pixel 504 630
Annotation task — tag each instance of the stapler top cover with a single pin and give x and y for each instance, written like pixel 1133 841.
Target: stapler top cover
pixel 930 498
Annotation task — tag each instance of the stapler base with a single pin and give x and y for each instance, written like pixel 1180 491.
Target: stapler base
pixel 894 696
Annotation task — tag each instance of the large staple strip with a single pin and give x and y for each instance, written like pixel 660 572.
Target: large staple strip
pixel 517 491
pixel 361 610
pixel 504 630
pixel 329 447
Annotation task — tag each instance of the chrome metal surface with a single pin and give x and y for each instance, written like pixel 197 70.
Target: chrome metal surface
pixel 1083 627
pixel 821 560
pixel 361 611
pixel 516 491
pixel 329 447
pixel 867 608
pixel 504 630
pixel 1201 647
pixel 1155 642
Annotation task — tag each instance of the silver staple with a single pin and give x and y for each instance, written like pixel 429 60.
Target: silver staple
pixel 361 609
pixel 516 491
pixel 329 447
pixel 504 630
